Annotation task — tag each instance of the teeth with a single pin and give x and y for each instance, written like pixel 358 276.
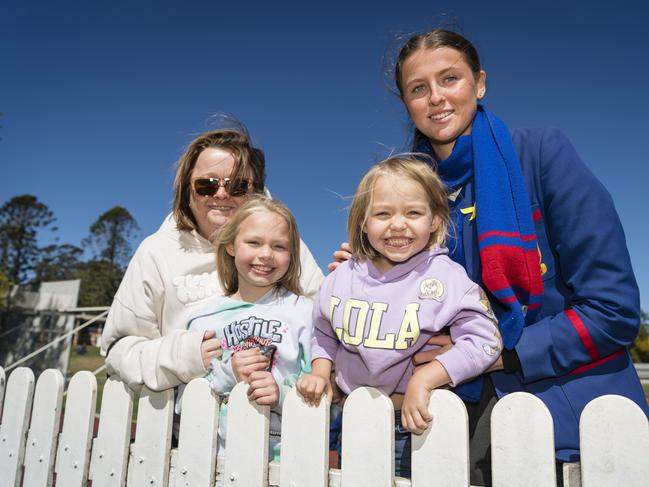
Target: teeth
pixel 398 242
pixel 221 208
pixel 262 268
pixel 441 116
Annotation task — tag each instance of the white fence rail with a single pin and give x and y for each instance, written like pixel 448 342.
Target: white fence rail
pixel 34 449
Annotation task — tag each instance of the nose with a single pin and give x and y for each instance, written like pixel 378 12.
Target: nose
pixel 221 193
pixel 436 96
pixel 265 252
pixel 398 222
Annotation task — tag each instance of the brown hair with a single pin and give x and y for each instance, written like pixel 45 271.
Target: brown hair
pixel 249 162
pixel 225 267
pixel 409 166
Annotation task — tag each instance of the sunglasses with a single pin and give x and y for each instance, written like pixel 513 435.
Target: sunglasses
pixel 210 186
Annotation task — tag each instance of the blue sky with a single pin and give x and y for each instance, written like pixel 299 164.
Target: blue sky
pixel 99 98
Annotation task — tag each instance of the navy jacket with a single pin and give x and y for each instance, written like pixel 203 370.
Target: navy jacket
pixel 577 349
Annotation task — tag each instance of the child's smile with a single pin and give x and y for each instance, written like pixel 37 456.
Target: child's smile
pixel 400 220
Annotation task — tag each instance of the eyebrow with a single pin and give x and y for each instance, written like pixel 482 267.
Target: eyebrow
pixel 438 73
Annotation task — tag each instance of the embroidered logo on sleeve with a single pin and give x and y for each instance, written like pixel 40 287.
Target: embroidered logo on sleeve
pixel 431 288
pixel 484 302
pixel 489 350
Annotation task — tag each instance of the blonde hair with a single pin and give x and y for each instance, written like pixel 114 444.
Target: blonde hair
pixel 225 267
pixel 249 162
pixel 409 166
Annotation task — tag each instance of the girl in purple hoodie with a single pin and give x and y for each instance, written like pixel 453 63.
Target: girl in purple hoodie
pixel 378 309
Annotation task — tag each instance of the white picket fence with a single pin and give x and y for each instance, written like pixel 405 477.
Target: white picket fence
pixel 614 438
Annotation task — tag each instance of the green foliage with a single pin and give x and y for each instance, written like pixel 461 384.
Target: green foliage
pixel 99 282
pixel 58 263
pixel 640 348
pixel 110 236
pixel 5 287
pixel 20 219
pixel 22 261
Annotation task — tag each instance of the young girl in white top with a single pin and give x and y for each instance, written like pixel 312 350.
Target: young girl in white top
pixel 263 322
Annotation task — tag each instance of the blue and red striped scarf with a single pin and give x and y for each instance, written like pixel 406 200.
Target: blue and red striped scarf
pixel 506 237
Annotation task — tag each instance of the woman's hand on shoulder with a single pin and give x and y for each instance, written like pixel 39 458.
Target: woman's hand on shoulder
pixel 263 388
pixel 341 255
pixel 312 386
pixel 245 362
pixel 210 347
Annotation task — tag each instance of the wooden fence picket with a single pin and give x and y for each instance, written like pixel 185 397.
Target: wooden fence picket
pixel 442 451
pixel 305 443
pixel 73 450
pixel 522 442
pixel 246 444
pixel 149 457
pixel 110 449
pixel 15 419
pixel 614 438
pixel 196 455
pixel 368 439
pixel 40 450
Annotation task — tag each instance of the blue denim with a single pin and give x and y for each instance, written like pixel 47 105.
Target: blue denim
pixel 402 448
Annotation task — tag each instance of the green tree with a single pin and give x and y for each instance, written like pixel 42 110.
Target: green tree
pixel 5 287
pixel 99 282
pixel 640 348
pixel 58 263
pixel 110 236
pixel 20 219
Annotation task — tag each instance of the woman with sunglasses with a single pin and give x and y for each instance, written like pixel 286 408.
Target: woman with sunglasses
pixel 173 272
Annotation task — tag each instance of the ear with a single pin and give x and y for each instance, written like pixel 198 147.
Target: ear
pixel 435 224
pixel 481 85
pixel 229 248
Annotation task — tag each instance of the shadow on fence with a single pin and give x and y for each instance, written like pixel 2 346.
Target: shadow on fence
pixel 613 430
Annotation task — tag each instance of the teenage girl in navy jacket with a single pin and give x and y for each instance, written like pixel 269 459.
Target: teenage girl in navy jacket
pixel 539 232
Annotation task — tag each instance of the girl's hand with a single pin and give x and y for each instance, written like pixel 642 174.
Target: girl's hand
pixel 263 389
pixel 443 341
pixel 246 362
pixel 210 347
pixel 312 386
pixel 341 255
pixel 414 410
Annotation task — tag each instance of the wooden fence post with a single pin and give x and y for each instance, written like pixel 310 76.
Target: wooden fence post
pixel 614 438
pixel 44 429
pixel 109 457
pixel 522 442
pixel 148 464
pixel 442 451
pixel 199 420
pixel 368 439
pixel 305 443
pixel 74 442
pixel 15 419
pixel 246 444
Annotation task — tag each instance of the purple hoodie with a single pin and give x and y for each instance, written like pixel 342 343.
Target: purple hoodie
pixel 370 325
